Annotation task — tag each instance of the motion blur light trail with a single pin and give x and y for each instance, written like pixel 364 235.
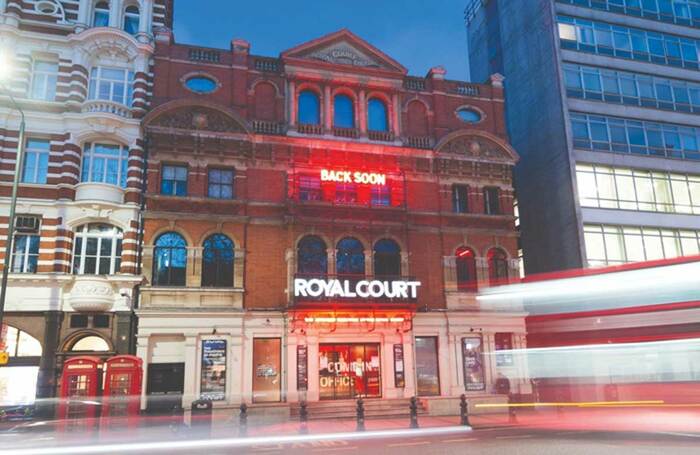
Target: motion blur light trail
pixel 570 404
pixel 203 444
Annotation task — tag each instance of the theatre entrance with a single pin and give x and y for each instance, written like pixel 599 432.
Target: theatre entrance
pixel 348 371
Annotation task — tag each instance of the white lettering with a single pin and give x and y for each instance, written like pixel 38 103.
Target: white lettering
pixel 361 289
pixel 364 178
pixel 300 287
pixel 376 289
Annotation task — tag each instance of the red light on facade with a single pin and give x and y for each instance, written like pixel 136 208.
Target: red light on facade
pixel 362 178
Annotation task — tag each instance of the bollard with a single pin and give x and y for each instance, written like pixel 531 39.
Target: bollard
pixel 303 418
pixel 414 413
pixel 511 410
pixel 463 411
pixel 360 415
pixel 200 418
pixel 243 420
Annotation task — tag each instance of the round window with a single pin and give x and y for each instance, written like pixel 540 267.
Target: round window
pixel 468 115
pixel 201 84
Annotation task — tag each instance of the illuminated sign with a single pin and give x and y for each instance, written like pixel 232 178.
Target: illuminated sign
pixel 346 289
pixel 363 178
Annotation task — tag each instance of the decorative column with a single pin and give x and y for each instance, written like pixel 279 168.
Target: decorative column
pixel 134 173
pixel 489 361
pixel 327 109
pixel 313 394
pixel 140 101
pixel 83 16
pixel 145 21
pixel 115 13
pixel 369 263
pixel 190 386
pixel 79 81
pixel 236 367
pixel 395 117
pixel 194 266
pixel 70 170
pixel 142 352
pixel 292 101
pixel 2 5
pixel 362 112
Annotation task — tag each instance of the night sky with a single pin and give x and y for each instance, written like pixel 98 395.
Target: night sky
pixel 419 34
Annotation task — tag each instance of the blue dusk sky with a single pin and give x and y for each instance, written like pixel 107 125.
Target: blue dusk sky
pixel 419 34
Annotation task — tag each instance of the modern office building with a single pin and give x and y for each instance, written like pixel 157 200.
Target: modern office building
pixel 602 104
pixel 317 225
pixel 82 76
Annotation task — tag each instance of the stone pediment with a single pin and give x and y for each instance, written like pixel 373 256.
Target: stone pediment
pixel 196 118
pixel 344 48
pixel 478 146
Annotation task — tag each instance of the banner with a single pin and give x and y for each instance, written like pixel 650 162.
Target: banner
pixel 213 385
pixel 472 354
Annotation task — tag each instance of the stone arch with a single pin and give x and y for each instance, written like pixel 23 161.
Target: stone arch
pixel 479 145
pixel 198 115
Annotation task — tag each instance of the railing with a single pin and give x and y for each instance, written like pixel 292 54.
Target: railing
pixel 204 55
pixel 468 89
pixel 107 107
pixel 419 142
pixel 352 133
pixel 352 288
pixel 310 129
pixel 267 127
pixel 383 136
pixel 267 64
pixel 414 83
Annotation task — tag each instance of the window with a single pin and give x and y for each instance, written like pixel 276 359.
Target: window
pixel 492 205
pixel 170 260
pixel 343 112
pixel 387 259
pixel 682 12
pixel 468 115
pixel 105 163
pixel 174 181
pixel 78 321
pixel 201 84
pixel 90 344
pixel 465 264
pixel 612 245
pixel 220 183
pixel 19 343
pixel 309 108
pixel 309 188
pixel 504 342
pixel 97 250
pixel 381 196
pixel 217 262
pixel 460 197
pixel 345 193
pixel 101 15
pixel 100 321
pixel 44 79
pixel 312 259
pixel 131 20
pixel 111 84
pixel 378 119
pixel 498 266
pixel 350 258
pixel 35 168
pixel 25 253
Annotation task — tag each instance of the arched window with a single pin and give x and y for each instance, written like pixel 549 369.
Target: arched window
pixel 350 258
pixel 265 101
pixel 217 262
pixel 378 119
pixel 90 343
pixel 97 249
pixel 343 112
pixel 466 269
pixel 170 260
pixel 387 259
pixel 312 258
pixel 131 19
pixel 309 108
pixel 19 343
pixel 417 119
pixel 105 163
pixel 498 266
pixel 100 17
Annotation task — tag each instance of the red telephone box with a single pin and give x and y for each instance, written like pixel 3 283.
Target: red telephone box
pixel 80 383
pixel 122 391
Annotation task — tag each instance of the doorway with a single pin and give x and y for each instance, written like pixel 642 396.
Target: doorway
pixel 166 384
pixel 348 371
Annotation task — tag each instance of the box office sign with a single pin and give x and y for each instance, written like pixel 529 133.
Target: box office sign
pixel 213 381
pixel 302 368
pixel 472 355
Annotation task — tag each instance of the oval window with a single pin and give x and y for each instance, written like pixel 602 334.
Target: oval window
pixel 468 115
pixel 201 84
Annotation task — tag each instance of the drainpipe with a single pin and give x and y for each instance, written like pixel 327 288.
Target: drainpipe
pixel 139 248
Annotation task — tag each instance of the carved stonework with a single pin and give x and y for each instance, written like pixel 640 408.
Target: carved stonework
pixel 91 294
pixel 200 119
pixel 344 54
pixel 477 148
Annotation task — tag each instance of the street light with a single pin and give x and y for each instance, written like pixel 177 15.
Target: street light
pixel 5 73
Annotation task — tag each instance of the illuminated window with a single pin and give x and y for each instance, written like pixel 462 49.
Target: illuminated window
pixel 174 181
pixel 343 112
pixel 387 259
pixel 131 20
pixel 492 204
pixel 498 266
pixel 105 163
pixel 44 79
pixel 90 344
pixel 309 108
pixel 381 195
pixel 460 197
pixel 465 264
pixel 309 188
pixel 170 260
pixel 100 17
pixel 97 250
pixel 35 165
pixel 350 258
pixel 377 115
pixel 217 261
pixel 346 193
pixel 111 84
pixel 220 184
pixel 312 259
pixel 504 342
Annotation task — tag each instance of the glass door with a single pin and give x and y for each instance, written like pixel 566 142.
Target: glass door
pixel 348 371
pixel 427 373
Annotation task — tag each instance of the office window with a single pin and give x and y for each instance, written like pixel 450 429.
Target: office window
pixel 100 17
pixel 345 193
pixel 343 112
pixel 465 263
pixel 312 259
pixel 25 253
pixel 381 195
pixel 111 84
pixel 460 198
pixel 378 118
pixel 174 180
pixel 309 188
pixel 492 205
pixel 309 108
pixel 350 258
pixel 44 79
pixel 498 266
pixel 97 249
pixel 682 12
pixel 170 260
pixel 221 183
pixel 131 19
pixel 217 261
pixel 387 259
pixel 35 168
pixel 105 163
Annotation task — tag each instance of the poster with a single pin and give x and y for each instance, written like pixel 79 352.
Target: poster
pixel 399 376
pixel 472 353
pixel 302 368
pixel 213 385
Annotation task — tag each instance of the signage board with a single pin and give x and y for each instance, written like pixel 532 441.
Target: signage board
pixel 302 367
pixel 399 372
pixel 472 355
pixel 360 178
pixel 4 358
pixel 213 380
pixel 351 289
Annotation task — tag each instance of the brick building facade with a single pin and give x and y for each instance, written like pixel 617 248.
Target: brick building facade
pixel 293 203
